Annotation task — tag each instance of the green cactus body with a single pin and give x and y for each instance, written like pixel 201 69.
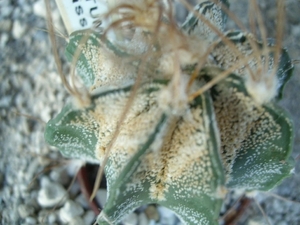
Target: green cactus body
pixel 169 150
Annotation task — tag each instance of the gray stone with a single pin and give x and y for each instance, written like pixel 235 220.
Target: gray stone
pixel 70 210
pixel 25 210
pixel 152 213
pixel 152 222
pixel 76 221
pixel 167 216
pixel 282 223
pixel 143 220
pixel 52 218
pixel 89 217
pixel 257 221
pixel 51 194
pixel 5 25
pixel 32 168
pixel 32 200
pixel 82 201
pixel 30 221
pixel 27 9
pixel 130 219
pixel 296 30
pixel 60 175
pixel 5 101
pixel 6 10
pixel 101 196
pixel 75 189
pixel 43 216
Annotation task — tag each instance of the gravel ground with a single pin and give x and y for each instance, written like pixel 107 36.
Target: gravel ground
pixel 34 177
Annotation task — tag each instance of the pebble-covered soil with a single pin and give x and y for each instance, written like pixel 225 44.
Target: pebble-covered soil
pixel 35 178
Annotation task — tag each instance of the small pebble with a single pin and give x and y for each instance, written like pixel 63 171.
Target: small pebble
pixel 25 210
pixel 77 221
pixel 82 201
pixel 43 216
pixel 51 194
pixel 47 217
pixel 282 223
pixel 256 222
pixel 52 218
pixel 130 219
pixel 5 101
pixel 70 210
pixel 60 175
pixel 5 25
pixel 152 222
pixel 167 216
pixel 32 168
pixel 89 217
pixel 32 200
pixel 6 10
pixel 278 205
pixel 101 196
pixel 75 189
pixel 27 8
pixel 142 218
pixel 18 29
pixel 152 213
pixel 30 221
pixel 74 165
pixel 39 9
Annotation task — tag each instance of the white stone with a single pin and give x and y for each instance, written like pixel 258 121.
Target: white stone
pixel 51 218
pixel 143 220
pixel 18 30
pixel 152 222
pixel 130 219
pixel 101 196
pixel 89 217
pixel 167 216
pixel 30 221
pixel 51 194
pixel 74 164
pixel 256 222
pixel 167 213
pixel 70 210
pixel 39 9
pixel 80 199
pixel 77 221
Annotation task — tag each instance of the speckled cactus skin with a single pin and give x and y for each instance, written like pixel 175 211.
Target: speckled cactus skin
pixel 179 153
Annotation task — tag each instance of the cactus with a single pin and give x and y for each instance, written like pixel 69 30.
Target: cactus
pixel 179 147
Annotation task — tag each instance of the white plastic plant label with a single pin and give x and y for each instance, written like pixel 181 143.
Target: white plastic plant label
pixel 81 14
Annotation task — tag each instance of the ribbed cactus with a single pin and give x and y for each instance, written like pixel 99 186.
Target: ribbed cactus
pixel 172 149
